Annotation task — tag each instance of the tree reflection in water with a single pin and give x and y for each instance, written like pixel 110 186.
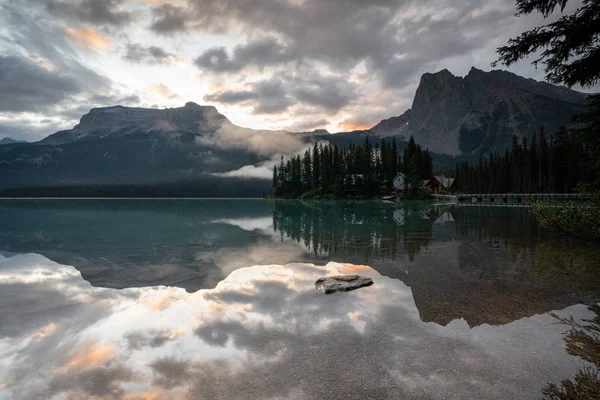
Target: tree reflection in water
pixel 582 340
pixel 371 228
pixel 379 230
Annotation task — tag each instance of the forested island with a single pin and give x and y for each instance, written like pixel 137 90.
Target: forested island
pixel 357 171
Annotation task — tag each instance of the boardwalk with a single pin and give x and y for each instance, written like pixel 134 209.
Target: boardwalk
pixel 518 197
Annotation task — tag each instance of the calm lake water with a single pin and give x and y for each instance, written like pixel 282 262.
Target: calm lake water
pixel 215 299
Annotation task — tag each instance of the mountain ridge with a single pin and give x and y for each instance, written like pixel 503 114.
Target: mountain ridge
pixel 450 116
pixel 8 140
pixel 481 111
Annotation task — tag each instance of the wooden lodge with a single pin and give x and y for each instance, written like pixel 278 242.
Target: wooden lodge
pixel 440 183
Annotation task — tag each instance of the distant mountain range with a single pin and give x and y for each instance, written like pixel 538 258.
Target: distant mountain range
pixel 450 115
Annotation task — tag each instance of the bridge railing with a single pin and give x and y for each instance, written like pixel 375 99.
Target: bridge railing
pixel 522 195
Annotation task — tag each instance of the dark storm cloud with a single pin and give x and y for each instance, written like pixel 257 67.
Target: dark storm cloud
pixel 137 53
pixel 396 39
pixel 331 92
pixel 37 73
pixel 266 97
pixel 97 12
pixel 168 19
pixel 232 96
pixel 308 124
pixel 275 95
pixel 41 72
pixel 99 382
pixel 151 338
pixel 170 372
pixel 259 53
pixel 26 86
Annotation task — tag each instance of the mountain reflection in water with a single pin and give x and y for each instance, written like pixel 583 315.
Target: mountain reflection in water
pixel 262 332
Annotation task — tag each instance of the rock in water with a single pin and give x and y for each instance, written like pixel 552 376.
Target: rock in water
pixel 342 283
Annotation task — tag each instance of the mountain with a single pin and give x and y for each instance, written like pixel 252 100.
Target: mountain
pixel 451 115
pixel 481 112
pixel 394 126
pixel 127 145
pixel 136 145
pixel 8 140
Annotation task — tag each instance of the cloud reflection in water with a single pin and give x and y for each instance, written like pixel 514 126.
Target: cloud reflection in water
pixel 263 332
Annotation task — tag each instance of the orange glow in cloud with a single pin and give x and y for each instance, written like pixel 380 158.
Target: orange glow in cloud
pixel 44 331
pixel 354 316
pixel 161 303
pixel 7 382
pixel 150 395
pixel 88 37
pixel 351 268
pixel 90 355
pixel 354 126
pixel 154 394
pixel 163 91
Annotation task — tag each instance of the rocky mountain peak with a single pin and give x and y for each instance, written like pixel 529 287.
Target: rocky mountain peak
pixel 105 121
pixel 480 112
pixel 118 115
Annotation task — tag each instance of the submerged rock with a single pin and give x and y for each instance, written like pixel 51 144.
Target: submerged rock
pixel 342 283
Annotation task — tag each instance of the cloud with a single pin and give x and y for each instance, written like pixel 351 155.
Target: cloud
pixel 168 19
pixel 284 63
pixel 88 37
pixel 27 86
pixel 163 91
pixel 170 372
pixel 99 382
pixel 153 338
pixel 46 78
pixel 260 142
pixel 259 53
pixel 385 34
pixel 355 126
pixel 266 97
pixel 306 125
pixel 248 171
pixel 275 95
pixel 329 92
pixel 263 332
pixel 379 47
pixel 137 53
pixel 90 355
pixel 97 12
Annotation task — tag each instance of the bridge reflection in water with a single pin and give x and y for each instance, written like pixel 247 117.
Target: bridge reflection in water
pixel 520 198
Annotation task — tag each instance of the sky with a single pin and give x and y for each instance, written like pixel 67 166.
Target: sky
pixel 265 64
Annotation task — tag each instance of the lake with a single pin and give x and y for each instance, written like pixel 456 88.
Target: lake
pixel 215 299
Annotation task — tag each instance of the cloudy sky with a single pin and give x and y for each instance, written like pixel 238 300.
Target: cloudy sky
pixel 274 64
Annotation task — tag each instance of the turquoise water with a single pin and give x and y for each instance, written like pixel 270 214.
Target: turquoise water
pixel 215 299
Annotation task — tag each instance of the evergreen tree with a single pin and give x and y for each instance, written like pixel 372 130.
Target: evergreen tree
pixel 568 49
pixel 534 165
pixel 355 170
pixel 316 167
pixel 275 179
